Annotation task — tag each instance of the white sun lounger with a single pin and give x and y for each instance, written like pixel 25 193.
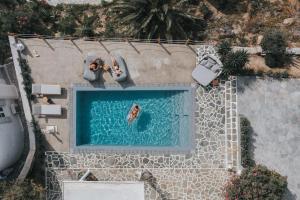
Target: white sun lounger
pixel 207 70
pixel 46 89
pixel 46 109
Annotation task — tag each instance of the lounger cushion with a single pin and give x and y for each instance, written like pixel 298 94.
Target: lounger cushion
pixel 87 73
pixel 46 109
pixel 122 65
pixel 203 75
pixel 46 89
pixel 208 69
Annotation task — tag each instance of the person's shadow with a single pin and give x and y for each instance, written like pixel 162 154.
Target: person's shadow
pixel 143 121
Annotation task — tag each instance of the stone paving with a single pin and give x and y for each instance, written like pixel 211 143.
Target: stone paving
pixel 169 183
pixel 200 174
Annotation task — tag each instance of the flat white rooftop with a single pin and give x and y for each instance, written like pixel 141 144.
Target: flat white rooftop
pixel 95 190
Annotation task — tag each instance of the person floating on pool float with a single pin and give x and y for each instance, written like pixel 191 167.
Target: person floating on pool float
pixel 134 113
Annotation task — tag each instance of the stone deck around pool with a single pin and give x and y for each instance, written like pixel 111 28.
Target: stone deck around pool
pixel 198 175
pixel 56 61
pixel 201 174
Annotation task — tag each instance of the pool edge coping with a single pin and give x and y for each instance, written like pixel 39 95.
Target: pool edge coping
pixel 190 87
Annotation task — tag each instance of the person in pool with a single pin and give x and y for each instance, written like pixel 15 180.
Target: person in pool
pixel 134 113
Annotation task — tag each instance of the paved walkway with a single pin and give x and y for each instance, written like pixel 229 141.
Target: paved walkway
pixel 61 62
pixel 273 108
pixel 198 175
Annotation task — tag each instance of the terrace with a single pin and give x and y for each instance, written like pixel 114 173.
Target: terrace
pixel 199 174
pixel 61 62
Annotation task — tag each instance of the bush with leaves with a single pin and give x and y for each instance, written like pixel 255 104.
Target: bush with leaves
pixel 256 183
pixel 224 49
pixel 27 79
pixel 207 13
pixel 257 5
pixel 19 191
pixel 37 172
pixel 152 19
pixel 233 61
pixel 278 75
pixel 246 143
pixel 274 45
pixel 67 25
pixel 87 29
pixel 227 5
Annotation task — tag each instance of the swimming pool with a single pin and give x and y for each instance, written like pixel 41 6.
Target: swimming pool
pixel 165 121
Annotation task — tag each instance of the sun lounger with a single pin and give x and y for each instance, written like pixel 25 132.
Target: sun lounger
pixel 87 73
pixel 46 89
pixel 122 66
pixel 50 129
pixel 46 109
pixel 208 69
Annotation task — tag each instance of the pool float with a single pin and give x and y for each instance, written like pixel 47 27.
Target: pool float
pixel 130 111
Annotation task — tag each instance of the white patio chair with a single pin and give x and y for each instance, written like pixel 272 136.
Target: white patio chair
pixel 46 89
pixel 46 110
pixel 50 129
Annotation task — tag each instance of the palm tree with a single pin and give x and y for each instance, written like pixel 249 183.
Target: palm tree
pixel 152 19
pixel 235 62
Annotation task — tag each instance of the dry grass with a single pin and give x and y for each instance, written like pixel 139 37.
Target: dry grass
pixel 257 63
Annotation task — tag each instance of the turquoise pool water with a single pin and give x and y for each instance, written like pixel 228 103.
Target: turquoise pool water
pixel 164 121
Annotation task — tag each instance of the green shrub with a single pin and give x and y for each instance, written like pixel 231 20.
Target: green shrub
pixel 278 75
pixel 18 191
pixel 246 143
pixel 27 79
pixel 67 25
pixel 274 45
pixel 207 13
pixel 87 29
pixel 157 19
pixel 38 167
pixel 256 183
pixel 234 63
pixel 257 5
pixel 224 49
pixel 227 5
pixel 275 60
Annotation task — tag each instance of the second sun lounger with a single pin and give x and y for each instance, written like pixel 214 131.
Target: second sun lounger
pixel 46 89
pixel 122 66
pixel 46 109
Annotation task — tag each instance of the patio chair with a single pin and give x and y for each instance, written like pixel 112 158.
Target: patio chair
pixel 46 89
pixel 46 110
pixel 207 70
pixel 50 129
pixel 87 73
pixel 122 65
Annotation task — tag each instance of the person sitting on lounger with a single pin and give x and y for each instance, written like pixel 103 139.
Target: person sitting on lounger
pixel 134 113
pixel 93 66
pixel 47 100
pixel 116 68
pixel 96 64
